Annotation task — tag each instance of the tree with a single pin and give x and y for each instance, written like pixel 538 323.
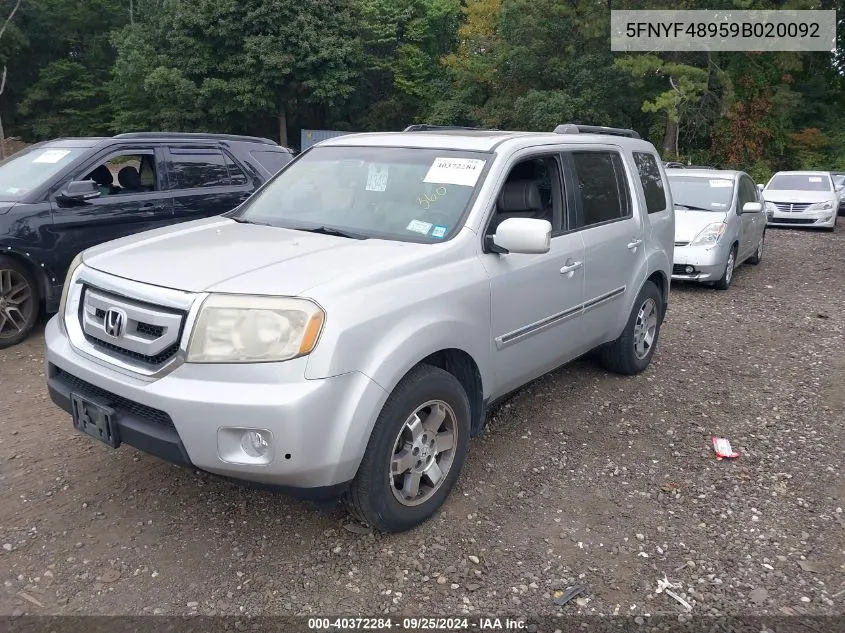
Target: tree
pixel 230 65
pixel 3 78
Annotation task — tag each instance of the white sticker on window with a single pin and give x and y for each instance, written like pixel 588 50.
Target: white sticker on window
pixel 418 226
pixel 455 171
pixel 815 178
pixel 721 205
pixel 377 177
pixel 51 156
pixel 721 183
pixel 12 190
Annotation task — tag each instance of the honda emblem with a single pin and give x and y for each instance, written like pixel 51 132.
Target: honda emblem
pixel 114 322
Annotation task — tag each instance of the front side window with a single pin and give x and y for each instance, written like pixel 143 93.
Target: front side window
pixel 31 168
pixel 410 195
pixel 125 174
pixel 649 172
pixel 696 193
pixel 199 168
pixel 799 182
pixel 601 186
pixel 531 190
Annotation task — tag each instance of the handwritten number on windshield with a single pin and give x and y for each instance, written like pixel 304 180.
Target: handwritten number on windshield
pixel 429 199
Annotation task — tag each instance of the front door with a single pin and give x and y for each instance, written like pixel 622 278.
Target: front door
pixel 751 224
pixel 133 198
pixel 536 299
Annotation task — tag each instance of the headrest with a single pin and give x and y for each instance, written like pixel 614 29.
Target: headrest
pixel 520 195
pixel 102 176
pixel 129 178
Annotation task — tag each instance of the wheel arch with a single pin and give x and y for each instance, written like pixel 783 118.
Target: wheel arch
pixel 38 270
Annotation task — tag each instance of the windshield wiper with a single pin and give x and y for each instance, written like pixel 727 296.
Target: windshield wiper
pixel 244 221
pixel 328 230
pixel 689 207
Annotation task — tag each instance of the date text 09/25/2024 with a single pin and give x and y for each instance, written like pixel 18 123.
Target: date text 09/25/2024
pixel 416 624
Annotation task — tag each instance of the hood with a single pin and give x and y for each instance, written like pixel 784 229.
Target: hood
pixel 688 224
pixel 221 255
pixel 791 195
pixel 5 206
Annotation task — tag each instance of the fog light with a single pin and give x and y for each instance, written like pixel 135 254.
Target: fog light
pixel 689 270
pixel 239 445
pixel 255 444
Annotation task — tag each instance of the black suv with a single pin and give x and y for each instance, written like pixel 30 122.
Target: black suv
pixel 59 197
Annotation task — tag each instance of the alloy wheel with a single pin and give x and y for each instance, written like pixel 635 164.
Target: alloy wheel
pixel 17 301
pixel 645 328
pixel 423 453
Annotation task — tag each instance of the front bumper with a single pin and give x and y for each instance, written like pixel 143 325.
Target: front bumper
pixel 809 219
pixel 707 264
pixel 319 428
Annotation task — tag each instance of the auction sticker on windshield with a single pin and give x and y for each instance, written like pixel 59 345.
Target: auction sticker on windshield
pixel 377 178
pixel 455 171
pixel 51 156
pixel 721 183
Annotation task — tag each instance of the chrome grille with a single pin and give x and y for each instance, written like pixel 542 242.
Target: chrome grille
pixel 791 207
pixel 149 335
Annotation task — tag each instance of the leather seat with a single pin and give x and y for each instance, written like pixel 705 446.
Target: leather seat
pixel 129 179
pixel 518 199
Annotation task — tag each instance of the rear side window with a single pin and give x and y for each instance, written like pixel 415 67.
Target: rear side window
pixel 196 168
pixel 602 187
pixel 272 161
pixel 655 196
pixel 236 174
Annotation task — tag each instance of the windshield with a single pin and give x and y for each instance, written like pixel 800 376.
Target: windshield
pixel 31 168
pixel 410 195
pixel 799 182
pixel 701 194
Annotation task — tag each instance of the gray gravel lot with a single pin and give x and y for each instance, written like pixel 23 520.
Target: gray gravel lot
pixel 582 476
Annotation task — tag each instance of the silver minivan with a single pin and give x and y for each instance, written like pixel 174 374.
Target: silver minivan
pixel 720 222
pixel 346 329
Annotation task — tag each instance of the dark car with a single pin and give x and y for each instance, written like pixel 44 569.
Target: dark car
pixel 59 197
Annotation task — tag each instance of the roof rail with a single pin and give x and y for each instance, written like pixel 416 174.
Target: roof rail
pixel 572 128
pixel 427 127
pixel 197 135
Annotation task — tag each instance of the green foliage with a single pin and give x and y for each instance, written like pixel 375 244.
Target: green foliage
pixel 269 67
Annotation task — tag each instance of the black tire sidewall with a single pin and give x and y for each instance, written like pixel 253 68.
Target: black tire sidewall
pixel 7 263
pixel 723 283
pixel 376 501
pixel 649 290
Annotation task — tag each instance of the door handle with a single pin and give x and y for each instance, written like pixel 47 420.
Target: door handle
pixel 633 244
pixel 571 268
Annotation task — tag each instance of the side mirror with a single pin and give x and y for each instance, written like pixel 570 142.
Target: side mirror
pixel 523 235
pixel 79 190
pixel 761 187
pixel 752 207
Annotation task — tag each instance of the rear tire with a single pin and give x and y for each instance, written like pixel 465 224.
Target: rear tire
pixel 20 303
pixel 395 488
pixel 631 353
pixel 757 257
pixel 725 282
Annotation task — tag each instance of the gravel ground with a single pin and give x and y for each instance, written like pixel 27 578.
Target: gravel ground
pixel 582 476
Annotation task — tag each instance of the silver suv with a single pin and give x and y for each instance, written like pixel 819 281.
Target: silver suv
pixel 344 331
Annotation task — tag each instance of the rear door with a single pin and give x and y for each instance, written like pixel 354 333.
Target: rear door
pixel 133 198
pixel 205 181
pixel 612 233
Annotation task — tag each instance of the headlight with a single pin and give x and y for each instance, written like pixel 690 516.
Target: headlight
pixel 710 235
pixel 76 263
pixel 770 207
pixel 820 206
pixel 254 329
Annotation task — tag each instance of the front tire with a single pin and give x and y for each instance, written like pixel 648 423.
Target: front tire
pixel 730 266
pixel 19 302
pixel 631 353
pixel 415 453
